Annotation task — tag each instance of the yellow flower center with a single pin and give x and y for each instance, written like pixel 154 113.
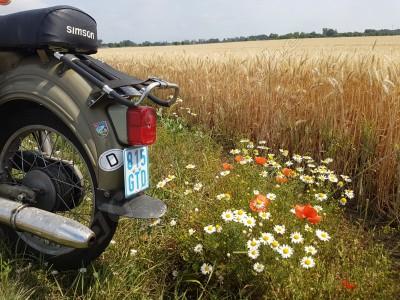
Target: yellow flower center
pixel 286 251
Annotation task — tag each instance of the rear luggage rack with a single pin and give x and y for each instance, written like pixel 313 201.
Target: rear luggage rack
pixel 118 86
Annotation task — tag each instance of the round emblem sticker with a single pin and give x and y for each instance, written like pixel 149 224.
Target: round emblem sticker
pixel 111 160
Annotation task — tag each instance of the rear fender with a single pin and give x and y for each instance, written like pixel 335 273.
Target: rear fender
pixel 66 95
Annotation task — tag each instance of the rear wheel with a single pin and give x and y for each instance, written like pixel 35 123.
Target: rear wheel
pixel 39 151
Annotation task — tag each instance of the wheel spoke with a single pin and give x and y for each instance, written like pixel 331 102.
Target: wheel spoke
pixel 45 150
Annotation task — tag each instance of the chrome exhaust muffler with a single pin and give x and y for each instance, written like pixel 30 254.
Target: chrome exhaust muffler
pixel 44 224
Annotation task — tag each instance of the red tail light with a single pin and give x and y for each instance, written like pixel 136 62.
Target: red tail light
pixel 142 125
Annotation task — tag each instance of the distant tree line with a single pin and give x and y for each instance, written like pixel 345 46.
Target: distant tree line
pixel 326 32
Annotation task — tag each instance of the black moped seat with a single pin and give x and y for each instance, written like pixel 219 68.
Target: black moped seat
pixel 59 27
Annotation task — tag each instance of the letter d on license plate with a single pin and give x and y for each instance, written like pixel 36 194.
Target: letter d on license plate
pixel 136 170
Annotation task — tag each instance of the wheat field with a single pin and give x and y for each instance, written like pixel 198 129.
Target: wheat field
pixel 337 97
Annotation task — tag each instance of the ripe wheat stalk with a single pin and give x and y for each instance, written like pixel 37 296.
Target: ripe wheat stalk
pixel 343 104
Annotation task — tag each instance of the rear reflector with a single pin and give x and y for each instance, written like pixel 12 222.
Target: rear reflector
pixel 142 125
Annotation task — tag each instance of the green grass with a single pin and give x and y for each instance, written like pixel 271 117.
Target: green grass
pixel 352 253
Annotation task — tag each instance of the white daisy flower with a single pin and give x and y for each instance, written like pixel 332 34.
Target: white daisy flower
pixel 173 222
pixel 307 262
pixel 289 163
pixel 227 216
pixel 297 158
pixel 198 248
pixel 264 174
pixel 210 229
pixel 284 152
pixel 223 196
pixel 327 161
pixel 253 253
pixel 206 269
pixel 280 229
pixel 264 215
pixel 271 196
pixel 249 222
pixel 253 244
pixel 250 145
pixel 258 267
pixel 239 215
pixel 307 179
pixel 318 208
pixel 161 184
pixel 308 228
pixel 170 178
pixel 300 170
pixel 187 192
pixel 321 178
pixel 349 194
pixel 198 186
pixel 321 197
pixel 191 231
pixel 256 192
pixel 234 151
pixel 346 178
pixel 285 251
pixel 133 252
pixel 267 238
pixel 310 250
pixel 343 201
pixel 275 245
pixel 322 235
pixel 262 147
pixel 293 211
pixel 225 173
pixel 332 178
pixel 296 238
pixel 218 228
pixel 190 166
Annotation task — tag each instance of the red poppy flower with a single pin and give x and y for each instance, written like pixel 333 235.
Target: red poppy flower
pixel 260 160
pixel 259 203
pixel 5 2
pixel 227 167
pixel 348 285
pixel 287 172
pixel 314 220
pixel 307 212
pixel 238 158
pixel 281 179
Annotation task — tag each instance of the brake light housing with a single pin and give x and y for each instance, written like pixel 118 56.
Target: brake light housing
pixel 141 125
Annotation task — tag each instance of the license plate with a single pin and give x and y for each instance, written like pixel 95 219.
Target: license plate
pixel 136 170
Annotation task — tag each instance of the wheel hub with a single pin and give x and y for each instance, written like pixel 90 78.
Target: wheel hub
pixel 57 186
pixel 46 193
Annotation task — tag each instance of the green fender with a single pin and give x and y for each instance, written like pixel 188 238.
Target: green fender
pixel 66 95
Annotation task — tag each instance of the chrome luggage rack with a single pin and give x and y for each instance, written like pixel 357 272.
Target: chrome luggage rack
pixel 124 89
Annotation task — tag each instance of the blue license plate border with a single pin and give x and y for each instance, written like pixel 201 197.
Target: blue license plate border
pixel 129 191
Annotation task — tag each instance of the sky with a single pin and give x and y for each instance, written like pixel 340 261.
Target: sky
pixel 176 20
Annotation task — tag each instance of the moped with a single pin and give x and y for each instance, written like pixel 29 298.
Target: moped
pixel 74 138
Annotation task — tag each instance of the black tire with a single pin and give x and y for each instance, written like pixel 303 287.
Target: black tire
pixel 102 224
